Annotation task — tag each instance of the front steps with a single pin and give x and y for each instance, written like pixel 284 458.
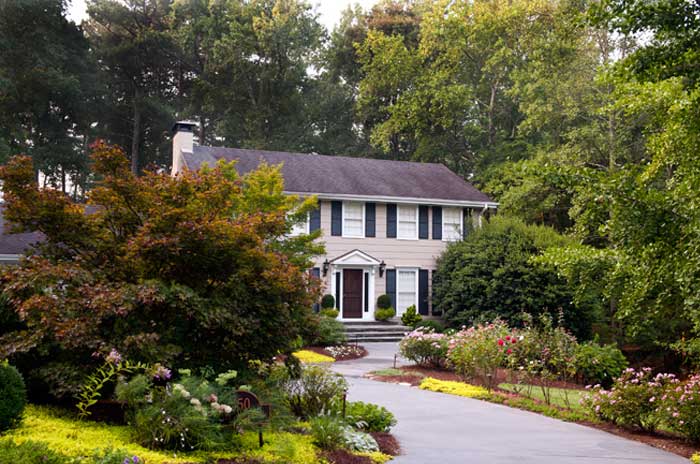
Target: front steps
pixel 371 331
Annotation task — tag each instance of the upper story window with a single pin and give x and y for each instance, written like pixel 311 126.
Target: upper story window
pixel 451 224
pixel 407 221
pixel 300 228
pixel 353 219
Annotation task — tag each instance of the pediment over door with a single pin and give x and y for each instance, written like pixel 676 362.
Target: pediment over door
pixel 355 258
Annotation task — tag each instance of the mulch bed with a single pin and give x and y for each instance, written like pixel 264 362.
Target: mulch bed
pixel 387 443
pixel 359 352
pixel 341 456
pixel 668 442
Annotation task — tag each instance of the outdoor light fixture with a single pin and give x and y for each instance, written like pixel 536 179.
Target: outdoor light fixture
pixel 326 265
pixel 382 266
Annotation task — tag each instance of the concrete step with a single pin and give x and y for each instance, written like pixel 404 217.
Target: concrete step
pixel 382 338
pixel 377 328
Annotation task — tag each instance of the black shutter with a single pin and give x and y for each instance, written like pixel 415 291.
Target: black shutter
pixel 370 219
pixel 423 221
pixel 316 272
pixel 337 218
pixel 315 218
pixel 423 292
pixel 436 311
pixel 391 221
pixel 437 223
pixel 391 285
pixel 466 222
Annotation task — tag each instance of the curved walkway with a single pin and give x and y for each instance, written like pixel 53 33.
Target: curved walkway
pixel 445 429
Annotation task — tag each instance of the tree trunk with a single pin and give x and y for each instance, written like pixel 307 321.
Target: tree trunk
pixel 492 110
pixel 136 133
pixel 202 130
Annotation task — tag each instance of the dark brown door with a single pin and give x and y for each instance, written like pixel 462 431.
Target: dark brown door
pixel 352 293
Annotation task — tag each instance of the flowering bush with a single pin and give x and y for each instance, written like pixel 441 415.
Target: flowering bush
pixel 477 353
pixel 424 347
pixel 680 407
pixel 634 399
pixel 311 357
pixel 599 364
pixel 313 392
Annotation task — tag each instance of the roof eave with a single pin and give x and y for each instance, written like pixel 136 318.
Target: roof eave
pixel 392 199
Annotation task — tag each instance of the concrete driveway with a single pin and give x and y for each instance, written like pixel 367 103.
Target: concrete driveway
pixel 445 429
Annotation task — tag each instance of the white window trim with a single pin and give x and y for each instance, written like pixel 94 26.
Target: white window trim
pixel 461 225
pixel 364 213
pixel 307 227
pixel 398 222
pixel 416 271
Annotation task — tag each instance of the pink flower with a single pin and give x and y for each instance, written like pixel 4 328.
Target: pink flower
pixel 509 351
pixel 500 342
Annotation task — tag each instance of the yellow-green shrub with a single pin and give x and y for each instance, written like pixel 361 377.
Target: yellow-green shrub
pixel 307 356
pixel 454 388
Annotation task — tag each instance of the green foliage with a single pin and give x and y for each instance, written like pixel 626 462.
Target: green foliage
pixel 330 313
pixel 123 278
pixel 679 408
pixel 30 452
pixel 329 331
pixel 13 396
pixel 369 417
pixel 328 302
pixel 328 432
pixel 384 314
pixel 597 364
pixel 384 301
pixel 490 274
pixel 359 441
pixel 313 392
pixel 108 372
pixel 425 347
pixel 478 352
pixel 410 317
pixel 633 400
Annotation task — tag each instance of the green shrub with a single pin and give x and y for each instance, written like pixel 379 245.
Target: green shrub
pixel 369 417
pixel 315 391
pixel 633 400
pixel 328 302
pixel 30 452
pixel 384 314
pixel 597 364
pixel 425 348
pixel 13 396
pixel 384 302
pixel 329 312
pixel 411 317
pixel 182 416
pixel 329 332
pixel 680 407
pixel 491 275
pixel 435 326
pixel 478 352
pixel 328 432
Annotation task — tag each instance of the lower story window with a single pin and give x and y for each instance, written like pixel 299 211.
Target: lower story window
pixel 406 289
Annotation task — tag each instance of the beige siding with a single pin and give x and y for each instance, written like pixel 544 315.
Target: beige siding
pixel 394 252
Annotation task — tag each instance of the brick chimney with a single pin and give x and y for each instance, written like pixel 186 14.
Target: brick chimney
pixel 183 140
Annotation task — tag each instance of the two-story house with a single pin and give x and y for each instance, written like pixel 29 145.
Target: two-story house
pixel 384 223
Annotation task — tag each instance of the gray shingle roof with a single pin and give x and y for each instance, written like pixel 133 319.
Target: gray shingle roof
pixel 322 174
pixel 16 244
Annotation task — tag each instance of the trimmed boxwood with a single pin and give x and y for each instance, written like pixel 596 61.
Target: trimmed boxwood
pixel 384 302
pixel 328 302
pixel 13 396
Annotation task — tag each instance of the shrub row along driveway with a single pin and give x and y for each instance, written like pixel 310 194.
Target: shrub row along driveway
pixel 445 429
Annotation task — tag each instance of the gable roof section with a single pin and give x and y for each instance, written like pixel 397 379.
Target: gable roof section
pixel 13 245
pixel 346 176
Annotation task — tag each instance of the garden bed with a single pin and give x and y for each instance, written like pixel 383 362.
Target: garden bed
pixel 340 352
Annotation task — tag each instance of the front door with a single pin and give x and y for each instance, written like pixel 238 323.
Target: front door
pixel 352 293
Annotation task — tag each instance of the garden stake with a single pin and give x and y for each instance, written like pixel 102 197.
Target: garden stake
pixel 345 396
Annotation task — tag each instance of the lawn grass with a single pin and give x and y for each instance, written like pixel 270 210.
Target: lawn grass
pixel 558 396
pixel 391 372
